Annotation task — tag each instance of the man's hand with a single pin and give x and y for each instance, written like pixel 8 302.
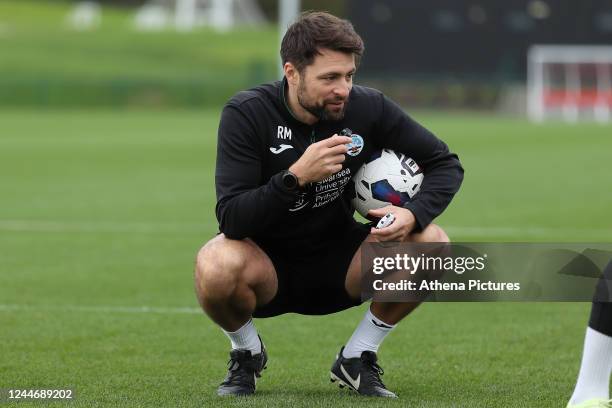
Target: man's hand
pixel 321 159
pixel 400 228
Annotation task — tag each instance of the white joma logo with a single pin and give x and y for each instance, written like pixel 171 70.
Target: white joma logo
pixel 282 148
pixel 354 383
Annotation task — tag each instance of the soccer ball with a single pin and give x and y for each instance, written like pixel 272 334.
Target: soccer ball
pixel 386 178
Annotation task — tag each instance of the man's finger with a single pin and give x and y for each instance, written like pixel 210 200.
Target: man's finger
pixel 338 149
pixel 338 159
pixel 397 236
pixel 386 231
pixel 380 212
pixel 337 140
pixel 384 237
pixel 336 168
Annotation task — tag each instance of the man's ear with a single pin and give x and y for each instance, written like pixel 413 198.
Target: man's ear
pixel 291 73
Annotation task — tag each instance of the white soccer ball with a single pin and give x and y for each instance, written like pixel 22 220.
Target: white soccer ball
pixel 386 178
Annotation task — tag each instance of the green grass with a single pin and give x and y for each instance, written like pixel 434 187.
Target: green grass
pixel 45 62
pixel 104 210
pixel 36 40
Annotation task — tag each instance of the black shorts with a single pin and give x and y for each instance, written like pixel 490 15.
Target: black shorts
pixel 314 284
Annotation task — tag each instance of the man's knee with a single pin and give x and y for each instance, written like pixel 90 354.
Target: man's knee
pixel 432 233
pixel 220 265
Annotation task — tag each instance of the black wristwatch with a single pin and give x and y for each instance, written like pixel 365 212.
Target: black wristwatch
pixel 290 181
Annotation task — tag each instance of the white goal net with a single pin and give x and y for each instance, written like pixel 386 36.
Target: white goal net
pixel 571 83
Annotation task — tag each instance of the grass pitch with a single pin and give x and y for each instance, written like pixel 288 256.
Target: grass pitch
pixel 46 63
pixel 103 211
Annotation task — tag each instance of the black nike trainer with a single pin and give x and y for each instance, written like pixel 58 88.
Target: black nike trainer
pixel 243 371
pixel 360 374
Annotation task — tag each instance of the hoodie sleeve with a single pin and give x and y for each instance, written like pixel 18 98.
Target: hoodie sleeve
pixel 246 205
pixel 442 169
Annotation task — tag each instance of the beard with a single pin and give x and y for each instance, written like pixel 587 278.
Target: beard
pixel 321 110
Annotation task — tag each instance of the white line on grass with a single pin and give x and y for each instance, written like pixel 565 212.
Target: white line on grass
pixel 101 309
pixel 100 226
pixel 531 232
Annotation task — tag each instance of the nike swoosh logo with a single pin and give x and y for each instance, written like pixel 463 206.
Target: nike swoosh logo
pixel 354 383
pixel 384 326
pixel 280 149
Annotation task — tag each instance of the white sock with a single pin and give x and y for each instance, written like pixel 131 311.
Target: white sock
pixel 245 338
pixel 368 336
pixel 594 377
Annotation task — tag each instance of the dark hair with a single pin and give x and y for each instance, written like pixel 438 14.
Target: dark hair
pixel 314 30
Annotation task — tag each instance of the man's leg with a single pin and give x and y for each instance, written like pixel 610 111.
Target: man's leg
pixel 232 277
pixel 593 384
pixel 391 312
pixel 359 354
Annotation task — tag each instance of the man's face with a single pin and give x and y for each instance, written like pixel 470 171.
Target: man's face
pixel 324 86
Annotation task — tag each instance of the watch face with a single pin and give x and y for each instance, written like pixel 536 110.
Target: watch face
pixel 289 180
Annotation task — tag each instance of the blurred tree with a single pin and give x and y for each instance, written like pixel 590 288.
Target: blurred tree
pixel 123 3
pixel 336 7
pixel 269 7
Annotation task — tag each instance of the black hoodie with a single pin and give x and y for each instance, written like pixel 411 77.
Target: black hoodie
pixel 259 138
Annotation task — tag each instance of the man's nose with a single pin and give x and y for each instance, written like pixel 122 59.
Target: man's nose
pixel 342 90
